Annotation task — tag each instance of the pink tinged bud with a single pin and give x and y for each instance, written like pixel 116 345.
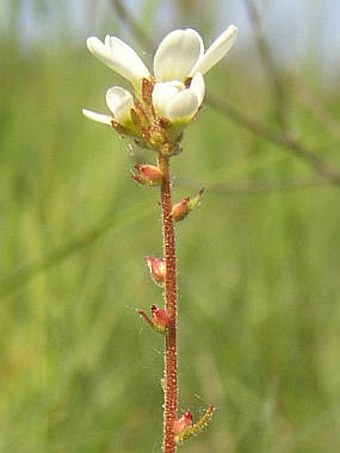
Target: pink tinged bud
pixel 183 423
pixel 157 269
pixel 160 319
pixel 180 209
pixel 183 207
pixel 184 428
pixel 149 175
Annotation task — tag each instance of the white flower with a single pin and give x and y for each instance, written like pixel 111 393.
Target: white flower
pixel 179 65
pixel 176 102
pixel 181 54
pixel 120 102
pixel 120 57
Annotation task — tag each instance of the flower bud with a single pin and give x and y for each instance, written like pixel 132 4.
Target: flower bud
pixel 149 175
pixel 180 209
pixel 183 423
pixel 157 269
pixel 183 207
pixel 160 319
pixel 184 428
pixel 151 172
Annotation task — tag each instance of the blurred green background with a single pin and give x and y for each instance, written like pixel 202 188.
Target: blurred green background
pixel 259 269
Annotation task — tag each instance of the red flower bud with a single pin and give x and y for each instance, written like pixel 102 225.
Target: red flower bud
pixel 160 318
pixel 150 171
pixel 182 208
pixel 157 269
pixel 184 428
pixel 149 175
pixel 183 423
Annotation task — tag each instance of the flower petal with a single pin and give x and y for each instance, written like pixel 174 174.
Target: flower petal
pixel 198 87
pixel 163 92
pixel 120 57
pixel 98 117
pixel 182 107
pixel 216 51
pixel 177 54
pixel 120 102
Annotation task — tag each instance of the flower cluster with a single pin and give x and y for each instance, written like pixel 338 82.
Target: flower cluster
pixel 161 104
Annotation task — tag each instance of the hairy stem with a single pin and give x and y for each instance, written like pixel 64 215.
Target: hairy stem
pixel 170 294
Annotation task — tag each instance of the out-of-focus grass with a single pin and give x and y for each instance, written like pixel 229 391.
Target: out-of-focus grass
pixel 259 277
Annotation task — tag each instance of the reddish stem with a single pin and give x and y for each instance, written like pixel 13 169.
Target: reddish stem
pixel 170 294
